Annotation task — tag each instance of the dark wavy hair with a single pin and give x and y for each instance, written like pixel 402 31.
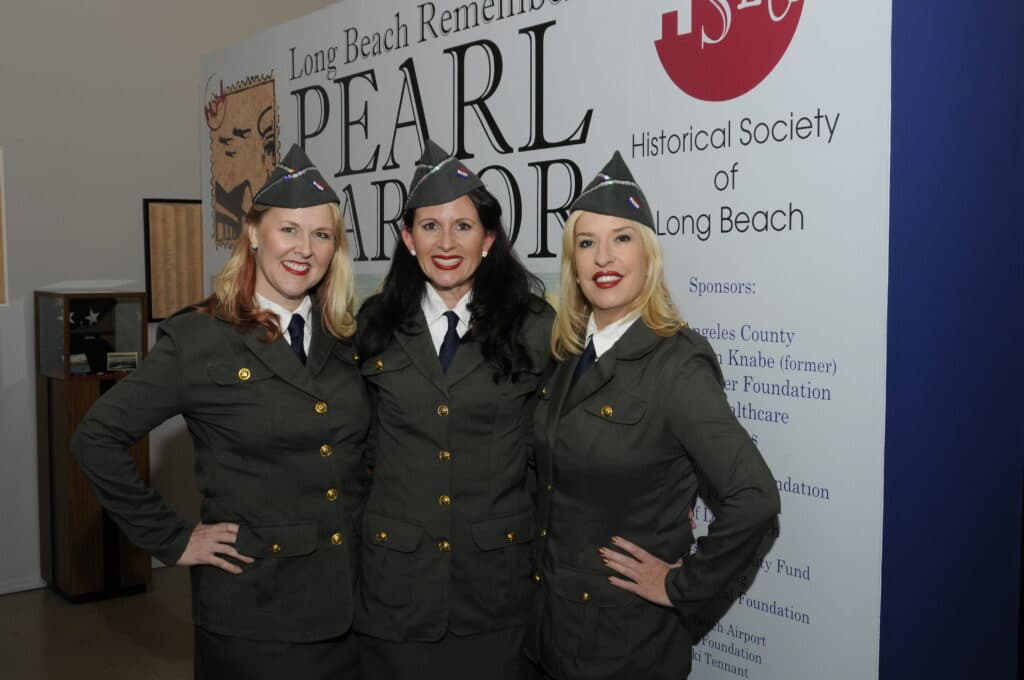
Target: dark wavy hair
pixel 504 294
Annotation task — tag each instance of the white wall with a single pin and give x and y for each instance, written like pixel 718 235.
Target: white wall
pixel 100 107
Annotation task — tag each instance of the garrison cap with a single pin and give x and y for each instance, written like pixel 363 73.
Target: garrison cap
pixel 295 183
pixel 440 177
pixel 614 192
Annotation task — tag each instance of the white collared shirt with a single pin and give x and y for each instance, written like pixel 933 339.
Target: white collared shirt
pixel 433 310
pixel 606 338
pixel 284 317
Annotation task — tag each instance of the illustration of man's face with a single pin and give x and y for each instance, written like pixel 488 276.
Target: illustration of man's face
pixel 243 151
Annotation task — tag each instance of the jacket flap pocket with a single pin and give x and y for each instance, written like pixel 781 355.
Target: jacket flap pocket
pixel 623 408
pixel 391 533
pixel 588 588
pixel 383 363
pixel 491 534
pixel 276 540
pixel 240 372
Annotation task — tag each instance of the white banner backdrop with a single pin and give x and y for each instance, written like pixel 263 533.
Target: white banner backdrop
pixel 759 130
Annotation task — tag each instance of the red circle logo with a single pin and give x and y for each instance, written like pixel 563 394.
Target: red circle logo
pixel 722 49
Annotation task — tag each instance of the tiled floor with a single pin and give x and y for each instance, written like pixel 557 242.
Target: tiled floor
pixel 139 637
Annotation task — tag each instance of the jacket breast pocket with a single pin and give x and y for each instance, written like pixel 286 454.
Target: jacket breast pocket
pixel 390 570
pixel 388 374
pixel 236 398
pixel 504 545
pixel 384 366
pixel 589 617
pixel 281 573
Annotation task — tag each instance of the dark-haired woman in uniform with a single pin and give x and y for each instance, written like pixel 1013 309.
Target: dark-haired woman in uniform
pixel 631 414
pixel 264 374
pixel 452 349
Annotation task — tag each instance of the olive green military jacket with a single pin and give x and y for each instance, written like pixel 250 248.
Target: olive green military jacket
pixel 449 522
pixel 617 455
pixel 279 450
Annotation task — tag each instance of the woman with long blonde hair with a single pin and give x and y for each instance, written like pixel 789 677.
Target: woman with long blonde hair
pixel 632 412
pixel 264 373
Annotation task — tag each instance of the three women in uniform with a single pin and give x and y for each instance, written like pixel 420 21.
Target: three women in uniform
pixel 448 394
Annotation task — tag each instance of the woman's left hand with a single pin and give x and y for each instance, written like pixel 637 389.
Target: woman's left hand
pixel 646 573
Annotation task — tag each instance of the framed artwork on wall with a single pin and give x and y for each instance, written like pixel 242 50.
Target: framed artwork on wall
pixel 174 254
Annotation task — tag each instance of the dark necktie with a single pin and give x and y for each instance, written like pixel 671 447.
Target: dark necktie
pixel 587 359
pixel 295 335
pixel 450 342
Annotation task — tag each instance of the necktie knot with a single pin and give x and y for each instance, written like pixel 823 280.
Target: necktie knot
pixel 296 337
pixel 450 342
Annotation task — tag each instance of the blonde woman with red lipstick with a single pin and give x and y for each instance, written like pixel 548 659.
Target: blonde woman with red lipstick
pixel 633 410
pixel 452 349
pixel 264 374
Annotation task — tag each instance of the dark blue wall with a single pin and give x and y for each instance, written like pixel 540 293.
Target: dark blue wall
pixel 951 569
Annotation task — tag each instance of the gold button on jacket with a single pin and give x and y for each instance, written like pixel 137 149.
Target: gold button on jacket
pixel 444 546
pixel 337 538
pixel 326 450
pixel 332 494
pixel 444 501
pixel 442 410
pixel 320 407
pixel 244 374
pixel 276 549
pixel 382 536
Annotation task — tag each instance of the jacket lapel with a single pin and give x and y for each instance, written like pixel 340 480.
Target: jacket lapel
pixel 637 341
pixel 593 379
pixel 280 359
pixel 415 340
pixel 466 359
pixel 320 346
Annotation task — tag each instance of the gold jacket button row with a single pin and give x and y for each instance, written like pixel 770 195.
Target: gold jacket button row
pixel 337 538
pixel 442 410
pixel 332 494
pixel 444 456
pixel 444 546
pixel 244 374
pixel 320 407
pixel 444 500
pixel 326 450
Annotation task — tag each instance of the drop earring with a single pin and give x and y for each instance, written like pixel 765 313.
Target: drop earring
pixel 253 247
pixel 483 254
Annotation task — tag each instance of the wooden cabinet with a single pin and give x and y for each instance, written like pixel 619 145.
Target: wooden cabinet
pixel 85 342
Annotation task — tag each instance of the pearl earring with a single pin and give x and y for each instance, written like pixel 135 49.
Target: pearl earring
pixel 484 254
pixel 412 252
pixel 253 247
